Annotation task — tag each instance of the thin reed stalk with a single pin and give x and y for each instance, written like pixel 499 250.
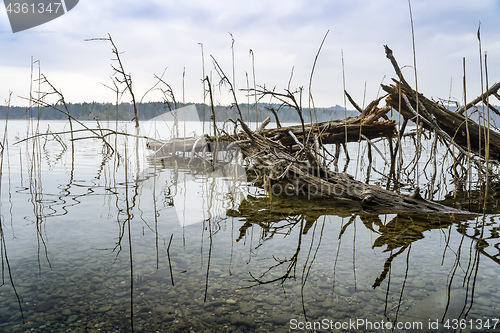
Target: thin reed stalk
pixel 252 54
pixel 400 132
pixel 469 172
pixel 418 145
pixel 204 83
pixel 482 93
pixel 232 60
pixel 487 158
pixel 311 99
pixel 345 96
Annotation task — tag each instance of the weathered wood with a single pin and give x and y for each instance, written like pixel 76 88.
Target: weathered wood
pixel 351 129
pixel 482 98
pixel 333 132
pixel 294 174
pixel 172 146
pixel 288 160
pixel 452 126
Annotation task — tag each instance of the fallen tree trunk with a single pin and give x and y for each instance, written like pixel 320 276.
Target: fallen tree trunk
pixel 352 129
pixel 284 173
pixel 333 132
pixel 289 160
pixel 452 126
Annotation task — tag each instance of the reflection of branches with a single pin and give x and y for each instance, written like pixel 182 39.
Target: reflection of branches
pixel 284 214
pixel 343 229
pixel 126 226
pixel 478 237
pixel 307 269
pixel 403 230
pixel 36 195
pixel 280 223
pixel 3 246
pixel 387 267
pixel 402 288
pixel 290 264
pixel 399 233
pixel 482 242
pixel 210 246
pixel 5 262
pixel 395 236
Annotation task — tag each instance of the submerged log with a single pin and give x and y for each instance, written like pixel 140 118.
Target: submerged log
pixel 301 174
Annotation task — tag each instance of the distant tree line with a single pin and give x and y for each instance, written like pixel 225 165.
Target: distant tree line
pixel 125 111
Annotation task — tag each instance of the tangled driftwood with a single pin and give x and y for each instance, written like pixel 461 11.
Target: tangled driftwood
pixel 293 160
pixel 451 126
pixel 301 173
pixel 366 126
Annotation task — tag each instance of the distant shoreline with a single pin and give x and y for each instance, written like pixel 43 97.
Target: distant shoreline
pixel 125 111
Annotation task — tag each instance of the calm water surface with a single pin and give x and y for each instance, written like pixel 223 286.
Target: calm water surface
pixel 96 242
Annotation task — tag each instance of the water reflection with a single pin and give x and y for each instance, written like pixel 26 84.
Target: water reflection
pixel 394 235
pixel 104 246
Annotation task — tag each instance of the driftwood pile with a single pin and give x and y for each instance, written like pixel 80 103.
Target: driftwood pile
pixel 366 126
pixel 293 160
pixel 300 173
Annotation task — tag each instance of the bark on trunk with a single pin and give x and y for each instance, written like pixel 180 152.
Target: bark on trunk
pixel 299 174
pixel 451 126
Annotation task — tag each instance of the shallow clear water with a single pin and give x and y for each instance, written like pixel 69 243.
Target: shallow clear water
pixel 97 243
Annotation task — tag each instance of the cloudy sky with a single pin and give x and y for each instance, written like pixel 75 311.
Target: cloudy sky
pixel 165 35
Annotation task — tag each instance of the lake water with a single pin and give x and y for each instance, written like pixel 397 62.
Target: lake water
pixel 96 242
